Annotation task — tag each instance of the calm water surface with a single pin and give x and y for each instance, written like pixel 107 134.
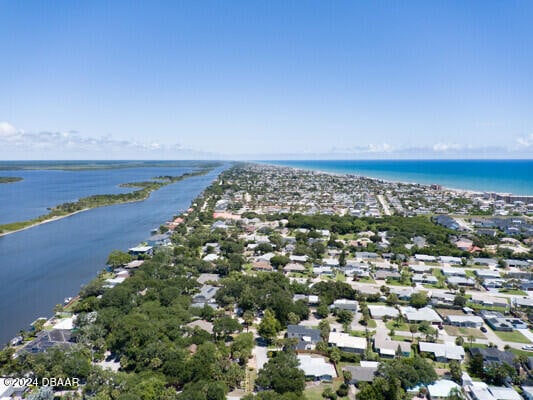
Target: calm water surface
pixel 41 266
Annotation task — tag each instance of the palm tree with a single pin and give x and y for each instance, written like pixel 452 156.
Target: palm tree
pixel 471 339
pixel 413 329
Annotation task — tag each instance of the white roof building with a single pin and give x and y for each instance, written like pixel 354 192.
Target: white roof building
pixel 347 342
pixel 444 352
pixel 378 311
pixel 316 366
pixel 442 388
pixel 423 314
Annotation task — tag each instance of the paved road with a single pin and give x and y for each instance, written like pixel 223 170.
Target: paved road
pixel 260 356
pixel 384 204
pixel 527 333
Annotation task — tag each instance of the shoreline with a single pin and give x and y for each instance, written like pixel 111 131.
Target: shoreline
pixel 56 218
pixel 47 316
pixel 388 180
pixel 53 219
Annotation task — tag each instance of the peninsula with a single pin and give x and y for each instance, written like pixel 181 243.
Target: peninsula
pixel 339 282
pixel 9 179
pixel 101 200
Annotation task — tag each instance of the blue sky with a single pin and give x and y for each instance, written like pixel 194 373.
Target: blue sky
pixel 266 79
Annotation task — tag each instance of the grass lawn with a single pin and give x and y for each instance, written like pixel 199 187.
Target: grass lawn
pixel 467 345
pixel 478 307
pixel 314 392
pixel 513 291
pixel 366 280
pixel 401 327
pixel 402 338
pixel 393 282
pixel 465 332
pixel 444 312
pixel 372 323
pixel 340 277
pixel 513 336
pixel 362 333
pixel 521 352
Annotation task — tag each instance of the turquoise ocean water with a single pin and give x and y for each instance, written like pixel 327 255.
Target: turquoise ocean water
pixel 503 176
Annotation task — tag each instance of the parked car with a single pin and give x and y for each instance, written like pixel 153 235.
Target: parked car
pixel 483 329
pixel 527 347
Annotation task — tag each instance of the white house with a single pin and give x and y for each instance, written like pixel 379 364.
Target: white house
pixel 346 342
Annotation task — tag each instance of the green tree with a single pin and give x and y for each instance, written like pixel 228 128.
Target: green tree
pixel 418 300
pixel 269 326
pixel 248 317
pixel 322 311
pixel 334 354
pixel 459 300
pixel 279 261
pixel 118 258
pixel 498 373
pixel 392 299
pixel 475 365
pixel 328 393
pixel 344 317
pixel 224 326
pixel 241 348
pixel 281 374
pixel 325 329
pixel 409 371
pixel 293 318
pixel 456 372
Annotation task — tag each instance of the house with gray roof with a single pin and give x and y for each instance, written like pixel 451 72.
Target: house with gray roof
pixel 307 337
pixel 366 372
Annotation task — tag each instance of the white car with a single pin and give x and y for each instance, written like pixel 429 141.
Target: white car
pixel 527 347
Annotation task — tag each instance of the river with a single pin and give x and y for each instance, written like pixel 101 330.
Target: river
pixel 41 266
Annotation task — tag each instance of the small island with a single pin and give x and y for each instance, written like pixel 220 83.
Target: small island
pixel 101 200
pixel 9 179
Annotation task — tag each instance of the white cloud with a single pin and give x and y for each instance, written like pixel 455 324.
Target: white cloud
pixel 370 148
pixel 443 147
pixel 69 144
pixel 526 141
pixel 7 130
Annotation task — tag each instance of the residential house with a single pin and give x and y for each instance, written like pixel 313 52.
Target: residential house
pixel 468 321
pixel 141 251
pixel 293 267
pixel 348 343
pixel 451 271
pixel 489 301
pixel 365 372
pixel 425 279
pixel 415 316
pixel 316 368
pixel 425 258
pixel 389 348
pixel 442 298
pixel 461 281
pixel 379 311
pixel 441 389
pixel 201 324
pixel 345 304
pixel 451 260
pixel 262 266
pixel 206 295
pixel 493 355
pixel 442 352
pixel 307 337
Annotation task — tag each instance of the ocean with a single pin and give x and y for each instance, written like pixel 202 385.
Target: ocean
pixel 502 176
